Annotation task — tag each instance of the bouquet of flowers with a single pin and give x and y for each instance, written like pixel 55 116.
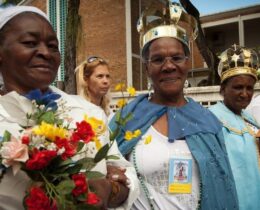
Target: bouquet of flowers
pixel 51 152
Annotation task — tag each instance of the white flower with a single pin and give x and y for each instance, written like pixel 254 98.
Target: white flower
pixel 61 151
pixel 52 147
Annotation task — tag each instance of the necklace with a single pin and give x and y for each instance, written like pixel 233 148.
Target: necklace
pixel 149 198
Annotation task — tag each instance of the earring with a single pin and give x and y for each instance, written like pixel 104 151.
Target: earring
pixel 150 88
pixel 186 83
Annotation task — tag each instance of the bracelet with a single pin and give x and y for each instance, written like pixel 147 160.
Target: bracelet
pixel 115 190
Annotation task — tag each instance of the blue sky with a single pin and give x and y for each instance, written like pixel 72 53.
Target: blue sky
pixel 214 6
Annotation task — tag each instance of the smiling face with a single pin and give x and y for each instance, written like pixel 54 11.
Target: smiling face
pixel 169 78
pixel 99 81
pixel 237 92
pixel 29 54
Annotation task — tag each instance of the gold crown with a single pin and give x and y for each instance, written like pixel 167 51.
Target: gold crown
pixel 162 20
pixel 236 61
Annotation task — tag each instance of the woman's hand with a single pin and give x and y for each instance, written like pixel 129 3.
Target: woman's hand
pixel 117 174
pixel 102 187
pixel 119 182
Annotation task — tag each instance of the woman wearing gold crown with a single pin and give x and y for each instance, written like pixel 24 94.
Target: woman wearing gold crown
pixel 180 156
pixel 237 69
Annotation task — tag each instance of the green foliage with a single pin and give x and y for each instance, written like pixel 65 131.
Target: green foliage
pixel 102 153
pixel 8 2
pixel 65 187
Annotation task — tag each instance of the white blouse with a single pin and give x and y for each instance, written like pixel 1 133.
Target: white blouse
pixel 152 161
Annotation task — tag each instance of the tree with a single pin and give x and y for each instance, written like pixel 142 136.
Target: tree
pixel 209 56
pixel 73 20
pixel 7 2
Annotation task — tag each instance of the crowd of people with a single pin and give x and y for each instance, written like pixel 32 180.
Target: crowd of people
pixel 186 156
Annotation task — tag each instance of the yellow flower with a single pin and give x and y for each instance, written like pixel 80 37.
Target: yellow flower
pixel 131 91
pixel 120 87
pixel 97 125
pixel 148 139
pixel 121 103
pixel 50 131
pixel 137 133
pixel 97 142
pixel 128 135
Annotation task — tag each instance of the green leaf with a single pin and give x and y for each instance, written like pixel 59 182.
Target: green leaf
pixel 102 153
pixel 112 157
pixel 48 117
pixel 80 146
pixel 94 175
pixel 74 169
pixel 82 197
pixel 65 187
pixel 87 163
pixel 59 175
pixel 118 115
pixel 7 136
pixel 114 134
pixel 57 161
pixel 65 202
pixel 86 206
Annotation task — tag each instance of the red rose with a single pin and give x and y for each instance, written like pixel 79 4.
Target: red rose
pixel 40 159
pixel 83 132
pixel 26 140
pixel 38 200
pixel 92 198
pixel 70 149
pixel 81 184
pixel 75 137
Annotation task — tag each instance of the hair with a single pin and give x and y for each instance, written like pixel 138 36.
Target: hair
pixel 85 70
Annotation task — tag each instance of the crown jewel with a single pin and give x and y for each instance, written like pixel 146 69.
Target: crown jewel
pixel 236 61
pixel 163 20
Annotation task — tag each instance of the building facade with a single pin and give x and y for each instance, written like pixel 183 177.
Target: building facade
pixel 108 29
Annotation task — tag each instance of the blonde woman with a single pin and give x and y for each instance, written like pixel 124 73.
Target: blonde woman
pixel 94 81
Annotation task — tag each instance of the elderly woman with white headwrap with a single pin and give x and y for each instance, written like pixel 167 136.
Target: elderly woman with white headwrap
pixel 29 60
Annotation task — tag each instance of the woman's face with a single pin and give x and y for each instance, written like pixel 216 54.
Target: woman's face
pixel 29 54
pixel 238 92
pixel 99 81
pixel 169 78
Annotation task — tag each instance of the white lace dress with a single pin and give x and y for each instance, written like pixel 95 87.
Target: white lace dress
pixel 152 161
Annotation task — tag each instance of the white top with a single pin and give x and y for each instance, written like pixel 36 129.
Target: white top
pixel 13 107
pixel 254 108
pixel 153 163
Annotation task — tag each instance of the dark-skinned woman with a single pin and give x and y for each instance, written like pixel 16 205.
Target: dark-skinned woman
pixel 237 70
pixel 180 156
pixel 29 60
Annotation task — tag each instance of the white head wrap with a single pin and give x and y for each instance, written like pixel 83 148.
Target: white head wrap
pixel 8 13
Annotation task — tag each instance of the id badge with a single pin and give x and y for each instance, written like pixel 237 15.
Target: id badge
pixel 180 175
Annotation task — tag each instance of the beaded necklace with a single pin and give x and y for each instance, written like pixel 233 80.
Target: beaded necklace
pixel 148 196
